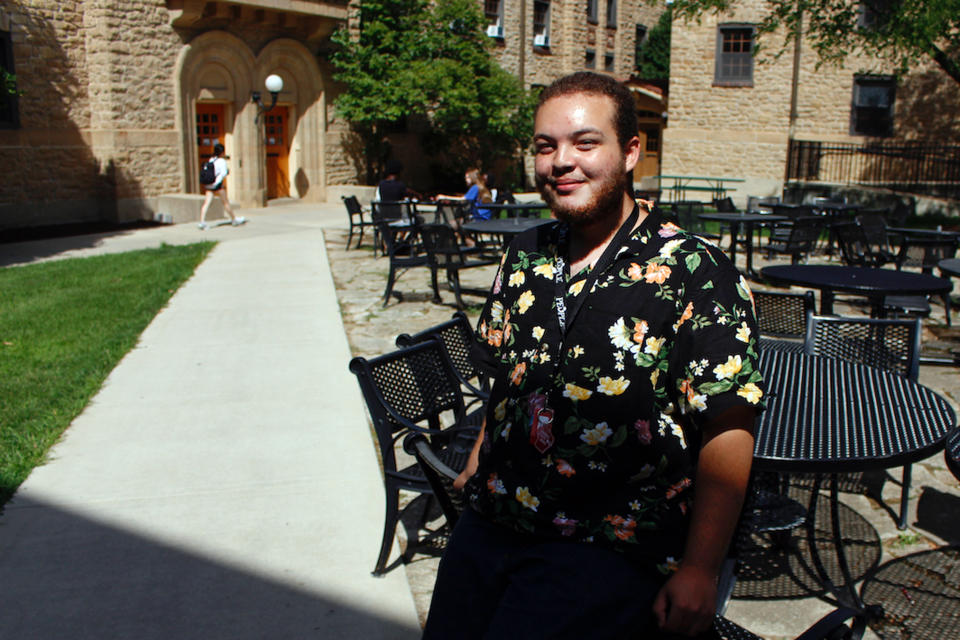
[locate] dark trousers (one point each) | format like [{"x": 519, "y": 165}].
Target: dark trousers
[{"x": 494, "y": 583}]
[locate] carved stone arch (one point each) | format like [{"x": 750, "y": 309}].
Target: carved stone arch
[
  {"x": 303, "y": 91},
  {"x": 218, "y": 54}
]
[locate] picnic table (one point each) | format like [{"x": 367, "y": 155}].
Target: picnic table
[{"x": 680, "y": 185}]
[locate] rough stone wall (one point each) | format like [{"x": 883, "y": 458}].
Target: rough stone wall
[{"x": 744, "y": 131}]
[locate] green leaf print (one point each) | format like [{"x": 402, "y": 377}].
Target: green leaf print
[
  {"x": 693, "y": 262},
  {"x": 619, "y": 436},
  {"x": 713, "y": 388}
]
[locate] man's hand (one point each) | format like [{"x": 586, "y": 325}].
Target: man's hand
[
  {"x": 465, "y": 475},
  {"x": 687, "y": 602},
  {"x": 473, "y": 461}
]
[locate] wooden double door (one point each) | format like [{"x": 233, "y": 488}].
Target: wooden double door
[{"x": 277, "y": 133}]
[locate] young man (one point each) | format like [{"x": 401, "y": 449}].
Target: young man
[
  {"x": 626, "y": 380},
  {"x": 219, "y": 188}
]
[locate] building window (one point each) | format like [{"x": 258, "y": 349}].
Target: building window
[
  {"x": 873, "y": 15},
  {"x": 590, "y": 59},
  {"x": 608, "y": 62},
  {"x": 612, "y": 13},
  {"x": 541, "y": 23},
  {"x": 493, "y": 9},
  {"x": 734, "y": 65},
  {"x": 9, "y": 116},
  {"x": 592, "y": 11},
  {"x": 872, "y": 111},
  {"x": 639, "y": 39}
]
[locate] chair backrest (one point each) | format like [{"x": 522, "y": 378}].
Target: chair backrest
[
  {"x": 686, "y": 213},
  {"x": 781, "y": 314},
  {"x": 792, "y": 211},
  {"x": 854, "y": 247},
  {"x": 441, "y": 245},
  {"x": 353, "y": 205},
  {"x": 804, "y": 234},
  {"x": 754, "y": 202},
  {"x": 926, "y": 252},
  {"x": 725, "y": 205},
  {"x": 390, "y": 211},
  {"x": 439, "y": 474},
  {"x": 893, "y": 345},
  {"x": 874, "y": 224},
  {"x": 408, "y": 390},
  {"x": 456, "y": 336}
]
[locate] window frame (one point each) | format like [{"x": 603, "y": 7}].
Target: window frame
[
  {"x": 590, "y": 58},
  {"x": 609, "y": 62},
  {"x": 640, "y": 35},
  {"x": 593, "y": 11},
  {"x": 494, "y": 20},
  {"x": 722, "y": 58},
  {"x": 863, "y": 117},
  {"x": 9, "y": 101},
  {"x": 611, "y": 14},
  {"x": 545, "y": 24}
]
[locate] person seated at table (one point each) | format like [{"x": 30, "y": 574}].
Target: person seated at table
[
  {"x": 392, "y": 188},
  {"x": 477, "y": 194}
]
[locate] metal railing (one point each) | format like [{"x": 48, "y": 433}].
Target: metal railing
[{"x": 922, "y": 168}]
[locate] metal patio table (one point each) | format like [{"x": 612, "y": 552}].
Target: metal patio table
[
  {"x": 505, "y": 228},
  {"x": 950, "y": 266},
  {"x": 747, "y": 220},
  {"x": 831, "y": 416},
  {"x": 865, "y": 281},
  {"x": 515, "y": 209}
]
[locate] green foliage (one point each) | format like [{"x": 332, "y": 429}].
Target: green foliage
[
  {"x": 414, "y": 61},
  {"x": 654, "y": 53},
  {"x": 8, "y": 83},
  {"x": 64, "y": 325},
  {"x": 899, "y": 33}
]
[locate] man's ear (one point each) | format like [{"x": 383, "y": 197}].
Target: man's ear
[{"x": 632, "y": 153}]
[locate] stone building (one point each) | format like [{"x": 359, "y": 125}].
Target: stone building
[
  {"x": 121, "y": 101},
  {"x": 731, "y": 114}
]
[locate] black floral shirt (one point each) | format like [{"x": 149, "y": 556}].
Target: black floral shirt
[{"x": 664, "y": 341}]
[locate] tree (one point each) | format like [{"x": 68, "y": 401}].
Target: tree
[
  {"x": 410, "y": 61},
  {"x": 654, "y": 52},
  {"x": 900, "y": 32}
]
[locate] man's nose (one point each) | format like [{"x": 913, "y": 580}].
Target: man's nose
[{"x": 563, "y": 158}]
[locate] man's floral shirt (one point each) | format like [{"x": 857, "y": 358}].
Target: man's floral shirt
[{"x": 665, "y": 341}]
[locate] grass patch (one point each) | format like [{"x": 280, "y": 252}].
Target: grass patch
[{"x": 64, "y": 326}]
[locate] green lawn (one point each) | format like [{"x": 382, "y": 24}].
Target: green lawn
[{"x": 64, "y": 326}]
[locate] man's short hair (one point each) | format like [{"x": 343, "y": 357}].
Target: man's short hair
[
  {"x": 218, "y": 149},
  {"x": 625, "y": 110}
]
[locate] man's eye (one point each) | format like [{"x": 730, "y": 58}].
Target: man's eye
[
  {"x": 586, "y": 144},
  {"x": 544, "y": 148}
]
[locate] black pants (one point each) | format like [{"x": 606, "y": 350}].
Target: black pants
[{"x": 496, "y": 584}]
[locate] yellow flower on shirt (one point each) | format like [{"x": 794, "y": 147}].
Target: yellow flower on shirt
[
  {"x": 517, "y": 278},
  {"x": 729, "y": 368},
  {"x": 653, "y": 345},
  {"x": 500, "y": 411},
  {"x": 576, "y": 393},
  {"x": 751, "y": 392},
  {"x": 743, "y": 333},
  {"x": 524, "y": 301},
  {"x": 597, "y": 435},
  {"x": 544, "y": 270},
  {"x": 612, "y": 387},
  {"x": 538, "y": 332},
  {"x": 527, "y": 499},
  {"x": 577, "y": 287}
]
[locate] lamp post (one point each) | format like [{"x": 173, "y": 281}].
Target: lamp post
[{"x": 274, "y": 84}]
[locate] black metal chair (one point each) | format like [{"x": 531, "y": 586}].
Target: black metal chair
[
  {"x": 456, "y": 336},
  {"x": 924, "y": 253},
  {"x": 357, "y": 221},
  {"x": 952, "y": 453},
  {"x": 725, "y": 205},
  {"x": 802, "y": 238},
  {"x": 390, "y": 213},
  {"x": 782, "y": 318},
  {"x": 412, "y": 390},
  {"x": 780, "y": 231},
  {"x": 445, "y": 253},
  {"x": 403, "y": 249},
  {"x": 856, "y": 248},
  {"x": 893, "y": 345},
  {"x": 687, "y": 214},
  {"x": 874, "y": 224}
]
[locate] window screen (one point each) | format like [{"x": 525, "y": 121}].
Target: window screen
[
  {"x": 872, "y": 111},
  {"x": 734, "y": 55}
]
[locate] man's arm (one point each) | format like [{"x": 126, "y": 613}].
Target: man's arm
[
  {"x": 472, "y": 461},
  {"x": 687, "y": 602}
]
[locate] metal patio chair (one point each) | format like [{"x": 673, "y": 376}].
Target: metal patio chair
[
  {"x": 893, "y": 345},
  {"x": 801, "y": 239},
  {"x": 782, "y": 318},
  {"x": 444, "y": 252},
  {"x": 357, "y": 214},
  {"x": 412, "y": 390}
]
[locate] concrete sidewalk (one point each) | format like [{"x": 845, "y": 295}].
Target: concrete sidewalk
[{"x": 218, "y": 485}]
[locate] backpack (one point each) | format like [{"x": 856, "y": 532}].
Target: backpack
[{"x": 208, "y": 175}]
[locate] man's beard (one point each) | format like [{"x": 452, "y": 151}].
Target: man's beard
[{"x": 607, "y": 201}]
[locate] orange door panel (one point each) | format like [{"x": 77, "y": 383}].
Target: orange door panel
[
  {"x": 277, "y": 133},
  {"x": 209, "y": 129}
]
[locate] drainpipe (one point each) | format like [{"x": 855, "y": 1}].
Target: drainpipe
[
  {"x": 523, "y": 43},
  {"x": 797, "y": 37}
]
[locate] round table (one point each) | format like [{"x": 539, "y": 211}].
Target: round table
[
  {"x": 505, "y": 228},
  {"x": 866, "y": 281},
  {"x": 747, "y": 220},
  {"x": 949, "y": 266},
  {"x": 829, "y": 416},
  {"x": 514, "y": 208}
]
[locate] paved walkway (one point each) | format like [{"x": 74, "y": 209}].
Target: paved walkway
[{"x": 214, "y": 487}]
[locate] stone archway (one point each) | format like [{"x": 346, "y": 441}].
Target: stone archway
[
  {"x": 224, "y": 61},
  {"x": 303, "y": 92}
]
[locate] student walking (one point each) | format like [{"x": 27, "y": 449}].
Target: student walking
[{"x": 215, "y": 186}]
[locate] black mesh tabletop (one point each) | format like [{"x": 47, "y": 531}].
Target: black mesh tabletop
[
  {"x": 828, "y": 415},
  {"x": 953, "y": 453},
  {"x": 865, "y": 280}
]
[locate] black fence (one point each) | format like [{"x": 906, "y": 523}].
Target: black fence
[{"x": 921, "y": 168}]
